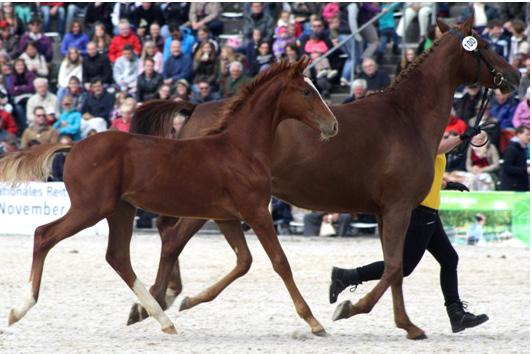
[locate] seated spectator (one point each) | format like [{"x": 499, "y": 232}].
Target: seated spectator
[
  {"x": 43, "y": 98},
  {"x": 515, "y": 172},
  {"x": 121, "y": 98},
  {"x": 9, "y": 41},
  {"x": 426, "y": 42},
  {"x": 91, "y": 125},
  {"x": 20, "y": 88},
  {"x": 75, "y": 38},
  {"x": 251, "y": 49},
  {"x": 99, "y": 102},
  {"x": 519, "y": 47},
  {"x": 53, "y": 9},
  {"x": 406, "y": 60},
  {"x": 124, "y": 120},
  {"x": 58, "y": 163},
  {"x": 387, "y": 31},
  {"x": 203, "y": 36},
  {"x": 39, "y": 130},
  {"x": 263, "y": 60},
  {"x": 75, "y": 91},
  {"x": 484, "y": 12},
  {"x": 155, "y": 36},
  {"x": 101, "y": 39},
  {"x": 150, "y": 51},
  {"x": 71, "y": 66},
  {"x": 502, "y": 111},
  {"x": 283, "y": 35},
  {"x": 205, "y": 67},
  {"x": 183, "y": 36},
  {"x": 144, "y": 15},
  {"x": 175, "y": 14},
  {"x": 206, "y": 14},
  {"x": 165, "y": 91},
  {"x": 96, "y": 65},
  {"x": 498, "y": 39},
  {"x": 227, "y": 56},
  {"x": 312, "y": 223},
  {"x": 318, "y": 37},
  {"x": 257, "y": 19},
  {"x": 467, "y": 106},
  {"x": 291, "y": 54},
  {"x": 125, "y": 70},
  {"x": 7, "y": 124},
  {"x": 482, "y": 163},
  {"x": 524, "y": 84},
  {"x": 235, "y": 81},
  {"x": 12, "y": 19},
  {"x": 99, "y": 13},
  {"x": 358, "y": 90},
  {"x": 8, "y": 144},
  {"x": 204, "y": 93},
  {"x": 522, "y": 112},
  {"x": 35, "y": 61},
  {"x": 322, "y": 74},
  {"x": 423, "y": 13},
  {"x": 177, "y": 66},
  {"x": 125, "y": 36},
  {"x": 148, "y": 82},
  {"x": 376, "y": 78},
  {"x": 282, "y": 216},
  {"x": 178, "y": 123},
  {"x": 5, "y": 100},
  {"x": 34, "y": 34},
  {"x": 69, "y": 122}
]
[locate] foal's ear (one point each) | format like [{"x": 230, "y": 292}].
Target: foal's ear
[
  {"x": 442, "y": 26},
  {"x": 467, "y": 26}
]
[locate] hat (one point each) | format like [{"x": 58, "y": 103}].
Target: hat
[{"x": 183, "y": 82}]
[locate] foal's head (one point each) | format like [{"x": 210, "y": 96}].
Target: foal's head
[{"x": 478, "y": 62}]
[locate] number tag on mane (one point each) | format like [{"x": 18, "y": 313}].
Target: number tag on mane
[{"x": 469, "y": 43}]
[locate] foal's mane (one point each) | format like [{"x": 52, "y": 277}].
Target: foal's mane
[{"x": 247, "y": 90}]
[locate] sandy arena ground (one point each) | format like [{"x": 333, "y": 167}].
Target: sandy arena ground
[{"x": 84, "y": 304}]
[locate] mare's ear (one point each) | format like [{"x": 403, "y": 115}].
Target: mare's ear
[
  {"x": 442, "y": 26},
  {"x": 467, "y": 26}
]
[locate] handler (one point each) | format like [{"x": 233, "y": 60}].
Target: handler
[{"x": 425, "y": 232}]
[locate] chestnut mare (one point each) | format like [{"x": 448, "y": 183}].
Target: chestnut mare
[
  {"x": 225, "y": 176},
  {"x": 381, "y": 162}
]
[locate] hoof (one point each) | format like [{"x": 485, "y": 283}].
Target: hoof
[
  {"x": 320, "y": 333},
  {"x": 342, "y": 311},
  {"x": 12, "y": 318},
  {"x": 184, "y": 304},
  {"x": 418, "y": 337},
  {"x": 136, "y": 314},
  {"x": 170, "y": 330}
]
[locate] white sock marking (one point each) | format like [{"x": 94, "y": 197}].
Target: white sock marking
[{"x": 150, "y": 304}]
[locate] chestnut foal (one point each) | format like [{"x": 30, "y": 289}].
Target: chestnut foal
[{"x": 225, "y": 176}]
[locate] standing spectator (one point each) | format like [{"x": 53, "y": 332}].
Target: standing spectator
[
  {"x": 205, "y": 66},
  {"x": 177, "y": 66},
  {"x": 43, "y": 98},
  {"x": 204, "y": 93},
  {"x": 124, "y": 120},
  {"x": 154, "y": 35},
  {"x": 235, "y": 81},
  {"x": 69, "y": 122},
  {"x": 101, "y": 38},
  {"x": 44, "y": 43},
  {"x": 71, "y": 66},
  {"x": 53, "y": 9},
  {"x": 257, "y": 19},
  {"x": 35, "y": 62},
  {"x": 7, "y": 124},
  {"x": 99, "y": 13},
  {"x": 387, "y": 32},
  {"x": 423, "y": 12},
  {"x": 125, "y": 36},
  {"x": 522, "y": 112},
  {"x": 377, "y": 79},
  {"x": 96, "y": 65},
  {"x": 150, "y": 51},
  {"x": 20, "y": 87},
  {"x": 144, "y": 15},
  {"x": 206, "y": 14},
  {"x": 183, "y": 36},
  {"x": 148, "y": 82},
  {"x": 175, "y": 14},
  {"x": 39, "y": 130},
  {"x": 75, "y": 91},
  {"x": 515, "y": 173},
  {"x": 519, "y": 46},
  {"x": 125, "y": 70},
  {"x": 467, "y": 106},
  {"x": 75, "y": 38},
  {"x": 9, "y": 41},
  {"x": 12, "y": 20},
  {"x": 406, "y": 60},
  {"x": 358, "y": 90},
  {"x": 498, "y": 39},
  {"x": 99, "y": 102}
]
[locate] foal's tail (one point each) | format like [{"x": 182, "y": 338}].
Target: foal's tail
[{"x": 29, "y": 165}]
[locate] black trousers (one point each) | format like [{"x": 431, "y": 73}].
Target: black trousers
[
  {"x": 312, "y": 224},
  {"x": 425, "y": 232}
]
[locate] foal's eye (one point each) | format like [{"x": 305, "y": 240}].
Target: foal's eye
[{"x": 306, "y": 92}]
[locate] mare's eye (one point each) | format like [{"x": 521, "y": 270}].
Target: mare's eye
[{"x": 306, "y": 92}]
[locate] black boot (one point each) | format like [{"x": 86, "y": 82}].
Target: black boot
[
  {"x": 341, "y": 279},
  {"x": 460, "y": 319}
]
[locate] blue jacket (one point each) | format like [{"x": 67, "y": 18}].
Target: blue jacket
[
  {"x": 177, "y": 68},
  {"x": 73, "y": 127},
  {"x": 71, "y": 40},
  {"x": 187, "y": 43},
  {"x": 504, "y": 112}
]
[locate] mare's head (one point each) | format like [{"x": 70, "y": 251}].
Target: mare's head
[
  {"x": 301, "y": 100},
  {"x": 478, "y": 62}
]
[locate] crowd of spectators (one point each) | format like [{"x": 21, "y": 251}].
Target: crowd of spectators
[{"x": 75, "y": 69}]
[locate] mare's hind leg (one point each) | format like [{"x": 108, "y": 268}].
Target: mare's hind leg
[
  {"x": 47, "y": 236},
  {"x": 393, "y": 225},
  {"x": 262, "y": 224},
  {"x": 118, "y": 256},
  {"x": 232, "y": 231}
]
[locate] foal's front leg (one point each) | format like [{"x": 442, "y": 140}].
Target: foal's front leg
[{"x": 262, "y": 224}]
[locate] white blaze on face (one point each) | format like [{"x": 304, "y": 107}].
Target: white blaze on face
[
  {"x": 309, "y": 81},
  {"x": 151, "y": 305},
  {"x": 27, "y": 303}
]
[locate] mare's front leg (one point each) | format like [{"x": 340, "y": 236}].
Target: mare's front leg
[
  {"x": 393, "y": 226},
  {"x": 234, "y": 235},
  {"x": 261, "y": 222}
]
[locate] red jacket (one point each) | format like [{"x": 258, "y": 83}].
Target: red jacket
[
  {"x": 7, "y": 122},
  {"x": 457, "y": 125},
  {"x": 118, "y": 42}
]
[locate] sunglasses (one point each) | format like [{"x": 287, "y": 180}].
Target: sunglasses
[
  {"x": 40, "y": 115},
  {"x": 203, "y": 88}
]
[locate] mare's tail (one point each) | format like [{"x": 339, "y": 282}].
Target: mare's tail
[
  {"x": 156, "y": 117},
  {"x": 31, "y": 164}
]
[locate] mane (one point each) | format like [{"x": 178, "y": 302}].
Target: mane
[
  {"x": 247, "y": 90},
  {"x": 155, "y": 117}
]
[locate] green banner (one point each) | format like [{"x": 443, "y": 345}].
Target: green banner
[{"x": 516, "y": 203}]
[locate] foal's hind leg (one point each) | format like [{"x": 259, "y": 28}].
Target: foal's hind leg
[
  {"x": 47, "y": 236},
  {"x": 118, "y": 256},
  {"x": 232, "y": 231}
]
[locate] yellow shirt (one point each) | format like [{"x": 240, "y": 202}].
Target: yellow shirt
[{"x": 432, "y": 200}]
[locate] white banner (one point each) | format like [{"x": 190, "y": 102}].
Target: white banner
[{"x": 27, "y": 206}]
